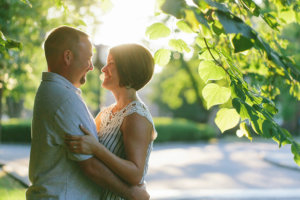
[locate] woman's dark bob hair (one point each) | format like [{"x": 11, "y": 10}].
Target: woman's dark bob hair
[{"x": 135, "y": 65}]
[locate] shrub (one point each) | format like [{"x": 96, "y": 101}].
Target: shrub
[
  {"x": 16, "y": 130},
  {"x": 177, "y": 129},
  {"x": 169, "y": 130}
]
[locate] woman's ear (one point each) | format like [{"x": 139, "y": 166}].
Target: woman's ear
[{"x": 68, "y": 57}]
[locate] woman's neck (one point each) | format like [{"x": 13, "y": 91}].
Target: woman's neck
[{"x": 123, "y": 97}]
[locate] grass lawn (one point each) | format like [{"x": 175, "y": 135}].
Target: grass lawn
[{"x": 10, "y": 189}]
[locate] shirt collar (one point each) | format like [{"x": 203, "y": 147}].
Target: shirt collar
[{"x": 50, "y": 76}]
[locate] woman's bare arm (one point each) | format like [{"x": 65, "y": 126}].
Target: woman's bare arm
[{"x": 137, "y": 134}]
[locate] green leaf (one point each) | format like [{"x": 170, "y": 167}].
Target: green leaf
[
  {"x": 226, "y": 119},
  {"x": 200, "y": 16},
  {"x": 2, "y": 39},
  {"x": 288, "y": 16},
  {"x": 27, "y": 2},
  {"x": 283, "y": 138},
  {"x": 8, "y": 43},
  {"x": 157, "y": 30},
  {"x": 182, "y": 25},
  {"x": 237, "y": 90},
  {"x": 270, "y": 20},
  {"x": 205, "y": 54},
  {"x": 220, "y": 6},
  {"x": 13, "y": 44},
  {"x": 214, "y": 94},
  {"x": 271, "y": 108},
  {"x": 245, "y": 110},
  {"x": 208, "y": 70},
  {"x": 268, "y": 129},
  {"x": 179, "y": 45},
  {"x": 191, "y": 19},
  {"x": 162, "y": 57},
  {"x": 217, "y": 28},
  {"x": 296, "y": 151},
  {"x": 252, "y": 7},
  {"x": 205, "y": 32},
  {"x": 256, "y": 124},
  {"x": 174, "y": 8},
  {"x": 244, "y": 131},
  {"x": 241, "y": 43},
  {"x": 200, "y": 42},
  {"x": 233, "y": 24}
]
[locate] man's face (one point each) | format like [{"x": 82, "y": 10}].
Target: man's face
[{"x": 82, "y": 62}]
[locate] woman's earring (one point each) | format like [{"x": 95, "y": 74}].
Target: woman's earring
[{"x": 127, "y": 86}]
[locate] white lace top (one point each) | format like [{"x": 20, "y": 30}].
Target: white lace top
[{"x": 112, "y": 138}]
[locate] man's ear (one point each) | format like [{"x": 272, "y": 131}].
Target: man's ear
[{"x": 68, "y": 57}]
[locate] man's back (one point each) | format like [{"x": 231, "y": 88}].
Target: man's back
[{"x": 54, "y": 171}]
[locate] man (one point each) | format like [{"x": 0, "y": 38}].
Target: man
[{"x": 55, "y": 172}]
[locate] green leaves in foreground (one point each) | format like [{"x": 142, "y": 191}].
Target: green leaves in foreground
[
  {"x": 6, "y": 44},
  {"x": 227, "y": 118},
  {"x": 215, "y": 94},
  {"x": 27, "y": 2},
  {"x": 296, "y": 151},
  {"x": 218, "y": 27},
  {"x": 244, "y": 131},
  {"x": 208, "y": 70},
  {"x": 179, "y": 45},
  {"x": 157, "y": 30},
  {"x": 162, "y": 57}
]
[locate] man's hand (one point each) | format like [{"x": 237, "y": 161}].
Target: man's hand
[{"x": 139, "y": 193}]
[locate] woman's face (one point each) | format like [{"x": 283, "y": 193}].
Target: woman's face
[{"x": 111, "y": 76}]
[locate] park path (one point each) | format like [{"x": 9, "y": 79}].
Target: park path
[
  {"x": 229, "y": 170},
  {"x": 224, "y": 169}
]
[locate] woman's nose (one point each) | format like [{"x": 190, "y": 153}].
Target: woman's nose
[{"x": 103, "y": 68}]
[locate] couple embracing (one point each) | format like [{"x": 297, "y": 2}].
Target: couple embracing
[{"x": 74, "y": 155}]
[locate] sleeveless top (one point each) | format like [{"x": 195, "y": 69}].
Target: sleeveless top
[{"x": 111, "y": 136}]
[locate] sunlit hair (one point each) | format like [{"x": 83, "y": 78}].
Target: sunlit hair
[
  {"x": 135, "y": 65},
  {"x": 61, "y": 39}
]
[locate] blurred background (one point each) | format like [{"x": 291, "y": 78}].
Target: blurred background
[{"x": 173, "y": 96}]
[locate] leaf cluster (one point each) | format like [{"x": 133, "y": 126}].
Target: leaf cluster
[{"x": 226, "y": 35}]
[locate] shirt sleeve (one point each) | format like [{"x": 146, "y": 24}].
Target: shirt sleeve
[{"x": 68, "y": 117}]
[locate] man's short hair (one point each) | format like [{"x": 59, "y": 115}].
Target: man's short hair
[
  {"x": 135, "y": 65},
  {"x": 60, "y": 39}
]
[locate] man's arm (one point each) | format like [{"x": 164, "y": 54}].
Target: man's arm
[
  {"x": 101, "y": 175},
  {"x": 68, "y": 117}
]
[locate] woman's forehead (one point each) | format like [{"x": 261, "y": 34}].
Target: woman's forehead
[{"x": 110, "y": 57}]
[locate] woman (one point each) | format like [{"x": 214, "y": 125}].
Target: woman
[{"x": 126, "y": 129}]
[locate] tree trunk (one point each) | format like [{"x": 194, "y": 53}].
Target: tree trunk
[{"x": 193, "y": 80}]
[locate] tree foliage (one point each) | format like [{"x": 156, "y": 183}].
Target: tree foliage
[
  {"x": 24, "y": 25},
  {"x": 177, "y": 90},
  {"x": 232, "y": 47}
]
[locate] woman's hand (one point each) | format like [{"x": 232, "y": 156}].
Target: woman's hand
[{"x": 86, "y": 144}]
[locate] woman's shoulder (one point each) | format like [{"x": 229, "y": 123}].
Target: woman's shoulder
[{"x": 138, "y": 107}]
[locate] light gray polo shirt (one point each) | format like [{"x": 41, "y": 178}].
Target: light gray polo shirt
[{"x": 53, "y": 169}]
